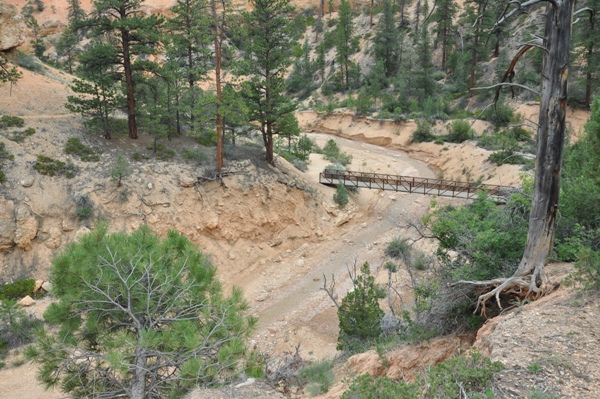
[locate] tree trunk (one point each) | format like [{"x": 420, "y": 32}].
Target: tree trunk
[
  {"x": 269, "y": 143},
  {"x": 130, "y": 86},
  {"x": 138, "y": 380},
  {"x": 191, "y": 84},
  {"x": 550, "y": 140},
  {"x": 588, "y": 76},
  {"x": 218, "y": 83}
]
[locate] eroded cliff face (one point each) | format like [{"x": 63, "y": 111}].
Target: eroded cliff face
[
  {"x": 12, "y": 27},
  {"x": 239, "y": 219}
]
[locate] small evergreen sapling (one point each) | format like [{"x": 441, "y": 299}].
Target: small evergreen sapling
[
  {"x": 340, "y": 196},
  {"x": 359, "y": 314}
]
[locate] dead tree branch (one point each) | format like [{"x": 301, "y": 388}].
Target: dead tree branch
[{"x": 329, "y": 289}]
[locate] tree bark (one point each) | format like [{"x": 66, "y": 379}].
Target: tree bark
[
  {"x": 132, "y": 125},
  {"x": 219, "y": 127},
  {"x": 138, "y": 383},
  {"x": 550, "y": 141}
]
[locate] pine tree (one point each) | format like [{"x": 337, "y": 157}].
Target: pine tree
[
  {"x": 99, "y": 93},
  {"x": 359, "y": 313},
  {"x": 76, "y": 16},
  {"x": 425, "y": 84},
  {"x": 8, "y": 74},
  {"x": 190, "y": 38},
  {"x": 68, "y": 47},
  {"x": 268, "y": 54},
  {"x": 134, "y": 35},
  {"x": 388, "y": 40},
  {"x": 139, "y": 317},
  {"x": 586, "y": 40},
  {"x": 445, "y": 11},
  {"x": 346, "y": 44}
]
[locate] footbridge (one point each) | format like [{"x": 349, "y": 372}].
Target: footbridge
[{"x": 409, "y": 184}]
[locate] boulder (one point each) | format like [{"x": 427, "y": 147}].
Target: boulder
[
  {"x": 38, "y": 286},
  {"x": 55, "y": 239},
  {"x": 27, "y": 227},
  {"x": 27, "y": 182},
  {"x": 12, "y": 27},
  {"x": 47, "y": 286},
  {"x": 187, "y": 181},
  {"x": 81, "y": 232},
  {"x": 27, "y": 301}
]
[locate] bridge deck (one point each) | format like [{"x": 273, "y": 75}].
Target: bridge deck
[{"x": 409, "y": 184}]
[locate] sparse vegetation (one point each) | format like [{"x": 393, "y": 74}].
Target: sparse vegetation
[
  {"x": 317, "y": 377},
  {"x": 8, "y": 121},
  {"x": 20, "y": 136},
  {"x": 74, "y": 146},
  {"x": 52, "y": 167},
  {"x": 468, "y": 373},
  {"x": 16, "y": 327},
  {"x": 84, "y": 207},
  {"x": 4, "y": 155}
]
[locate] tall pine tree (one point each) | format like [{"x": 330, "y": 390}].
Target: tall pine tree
[
  {"x": 346, "y": 44},
  {"x": 268, "y": 53},
  {"x": 134, "y": 35}
]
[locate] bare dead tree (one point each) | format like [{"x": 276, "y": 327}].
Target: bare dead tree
[
  {"x": 529, "y": 279},
  {"x": 329, "y": 289}
]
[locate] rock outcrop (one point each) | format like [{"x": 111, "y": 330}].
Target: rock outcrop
[{"x": 12, "y": 27}]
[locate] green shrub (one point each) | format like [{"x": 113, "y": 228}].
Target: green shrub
[
  {"x": 423, "y": 132},
  {"x": 506, "y": 157},
  {"x": 398, "y": 248},
  {"x": 52, "y": 167},
  {"x": 16, "y": 326},
  {"x": 359, "y": 313},
  {"x": 587, "y": 269},
  {"x": 501, "y": 115},
  {"x": 28, "y": 62},
  {"x": 84, "y": 207},
  {"x": 19, "y": 137},
  {"x": 8, "y": 121},
  {"x": 332, "y": 153},
  {"x": 340, "y": 196},
  {"x": 471, "y": 374},
  {"x": 331, "y": 149},
  {"x": 367, "y": 387},
  {"x": 488, "y": 239},
  {"x": 74, "y": 146},
  {"x": 317, "y": 377},
  {"x": 161, "y": 152},
  {"x": 17, "y": 290},
  {"x": 4, "y": 154},
  {"x": 459, "y": 131},
  {"x": 196, "y": 156},
  {"x": 299, "y": 164}
]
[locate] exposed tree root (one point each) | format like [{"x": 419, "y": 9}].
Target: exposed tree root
[{"x": 520, "y": 286}]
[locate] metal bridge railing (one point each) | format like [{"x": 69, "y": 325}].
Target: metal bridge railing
[{"x": 409, "y": 184}]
